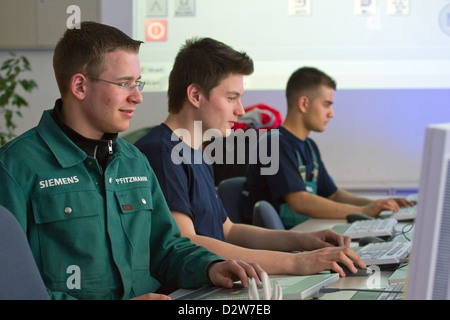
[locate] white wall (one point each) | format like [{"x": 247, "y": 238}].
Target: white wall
[{"x": 376, "y": 137}]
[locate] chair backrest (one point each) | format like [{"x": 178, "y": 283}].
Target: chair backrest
[
  {"x": 20, "y": 278},
  {"x": 135, "y": 135},
  {"x": 265, "y": 215},
  {"x": 230, "y": 192}
]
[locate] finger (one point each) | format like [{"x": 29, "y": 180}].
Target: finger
[
  {"x": 152, "y": 296},
  {"x": 350, "y": 265},
  {"x": 259, "y": 271},
  {"x": 250, "y": 272},
  {"x": 347, "y": 262},
  {"x": 355, "y": 258},
  {"x": 389, "y": 204},
  {"x": 402, "y": 202},
  {"x": 223, "y": 274},
  {"x": 347, "y": 240},
  {"x": 337, "y": 268},
  {"x": 395, "y": 205},
  {"x": 332, "y": 239},
  {"x": 235, "y": 269},
  {"x": 324, "y": 244},
  {"x": 342, "y": 241}
]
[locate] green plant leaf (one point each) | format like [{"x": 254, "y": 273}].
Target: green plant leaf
[
  {"x": 10, "y": 102},
  {"x": 19, "y": 101},
  {"x": 28, "y": 85}
]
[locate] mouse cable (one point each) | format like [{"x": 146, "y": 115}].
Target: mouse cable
[
  {"x": 332, "y": 290},
  {"x": 403, "y": 232}
]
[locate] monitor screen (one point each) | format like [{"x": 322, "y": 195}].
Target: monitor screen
[
  {"x": 429, "y": 269},
  {"x": 364, "y": 44}
]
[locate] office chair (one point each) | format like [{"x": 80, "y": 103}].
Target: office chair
[
  {"x": 20, "y": 278},
  {"x": 230, "y": 192},
  {"x": 231, "y": 147},
  {"x": 265, "y": 215},
  {"x": 134, "y": 136}
]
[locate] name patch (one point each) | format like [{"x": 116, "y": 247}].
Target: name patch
[
  {"x": 57, "y": 182},
  {"x": 131, "y": 179}
]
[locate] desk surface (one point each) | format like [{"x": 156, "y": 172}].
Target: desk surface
[
  {"x": 349, "y": 282},
  {"x": 311, "y": 225},
  {"x": 374, "y": 281}
]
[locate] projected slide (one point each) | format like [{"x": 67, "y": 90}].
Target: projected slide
[{"x": 364, "y": 44}]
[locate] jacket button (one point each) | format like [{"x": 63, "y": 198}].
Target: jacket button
[
  {"x": 110, "y": 180},
  {"x": 68, "y": 210},
  {"x": 143, "y": 201}
]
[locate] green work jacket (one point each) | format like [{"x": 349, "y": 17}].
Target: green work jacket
[{"x": 95, "y": 235}]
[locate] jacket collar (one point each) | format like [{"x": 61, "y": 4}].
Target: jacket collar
[{"x": 65, "y": 150}]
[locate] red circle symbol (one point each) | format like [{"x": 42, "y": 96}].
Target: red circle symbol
[{"x": 155, "y": 30}]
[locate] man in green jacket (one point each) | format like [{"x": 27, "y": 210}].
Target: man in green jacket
[{"x": 89, "y": 202}]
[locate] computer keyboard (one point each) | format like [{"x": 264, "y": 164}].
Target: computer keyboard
[
  {"x": 393, "y": 292},
  {"x": 383, "y": 253},
  {"x": 403, "y": 214},
  {"x": 372, "y": 227}
]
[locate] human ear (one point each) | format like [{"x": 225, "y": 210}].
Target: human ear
[
  {"x": 193, "y": 94},
  {"x": 303, "y": 103},
  {"x": 78, "y": 86}
]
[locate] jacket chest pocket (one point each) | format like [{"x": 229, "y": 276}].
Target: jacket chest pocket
[
  {"x": 136, "y": 208},
  {"x": 71, "y": 232}
]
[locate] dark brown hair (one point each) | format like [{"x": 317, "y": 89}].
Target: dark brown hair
[
  {"x": 205, "y": 62},
  {"x": 306, "y": 81},
  {"x": 83, "y": 50}
]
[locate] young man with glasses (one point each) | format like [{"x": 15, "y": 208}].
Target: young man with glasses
[{"x": 91, "y": 206}]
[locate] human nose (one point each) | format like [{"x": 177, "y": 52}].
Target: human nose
[
  {"x": 136, "y": 96},
  {"x": 240, "y": 111},
  {"x": 331, "y": 113}
]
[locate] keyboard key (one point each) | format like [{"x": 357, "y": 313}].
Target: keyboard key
[
  {"x": 385, "y": 252},
  {"x": 369, "y": 228}
]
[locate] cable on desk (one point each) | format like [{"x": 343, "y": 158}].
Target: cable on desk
[
  {"x": 403, "y": 232},
  {"x": 332, "y": 290}
]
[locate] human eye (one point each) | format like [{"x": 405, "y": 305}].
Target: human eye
[
  {"x": 327, "y": 104},
  {"x": 124, "y": 84}
]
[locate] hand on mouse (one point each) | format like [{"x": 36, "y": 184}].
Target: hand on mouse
[
  {"x": 327, "y": 258},
  {"x": 224, "y": 273}
]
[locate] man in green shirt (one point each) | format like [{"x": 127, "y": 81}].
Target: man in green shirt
[{"x": 89, "y": 202}]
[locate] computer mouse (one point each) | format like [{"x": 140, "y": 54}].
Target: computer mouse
[
  {"x": 359, "y": 273},
  {"x": 352, "y": 217},
  {"x": 366, "y": 240}
]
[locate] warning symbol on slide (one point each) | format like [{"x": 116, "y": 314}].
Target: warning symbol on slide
[{"x": 155, "y": 30}]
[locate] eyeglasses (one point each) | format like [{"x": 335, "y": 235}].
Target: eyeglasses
[{"x": 126, "y": 84}]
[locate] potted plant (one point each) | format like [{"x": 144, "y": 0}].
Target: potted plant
[{"x": 10, "y": 101}]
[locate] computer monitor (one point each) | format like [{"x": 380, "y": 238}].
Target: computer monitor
[{"x": 429, "y": 269}]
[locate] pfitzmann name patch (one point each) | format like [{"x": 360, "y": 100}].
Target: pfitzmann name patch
[{"x": 130, "y": 179}]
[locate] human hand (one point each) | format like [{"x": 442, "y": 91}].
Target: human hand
[
  {"x": 323, "y": 238},
  {"x": 224, "y": 273},
  {"x": 327, "y": 258},
  {"x": 152, "y": 296},
  {"x": 391, "y": 204}
]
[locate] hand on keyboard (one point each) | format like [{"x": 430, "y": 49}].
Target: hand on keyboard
[
  {"x": 391, "y": 204},
  {"x": 403, "y": 214}
]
